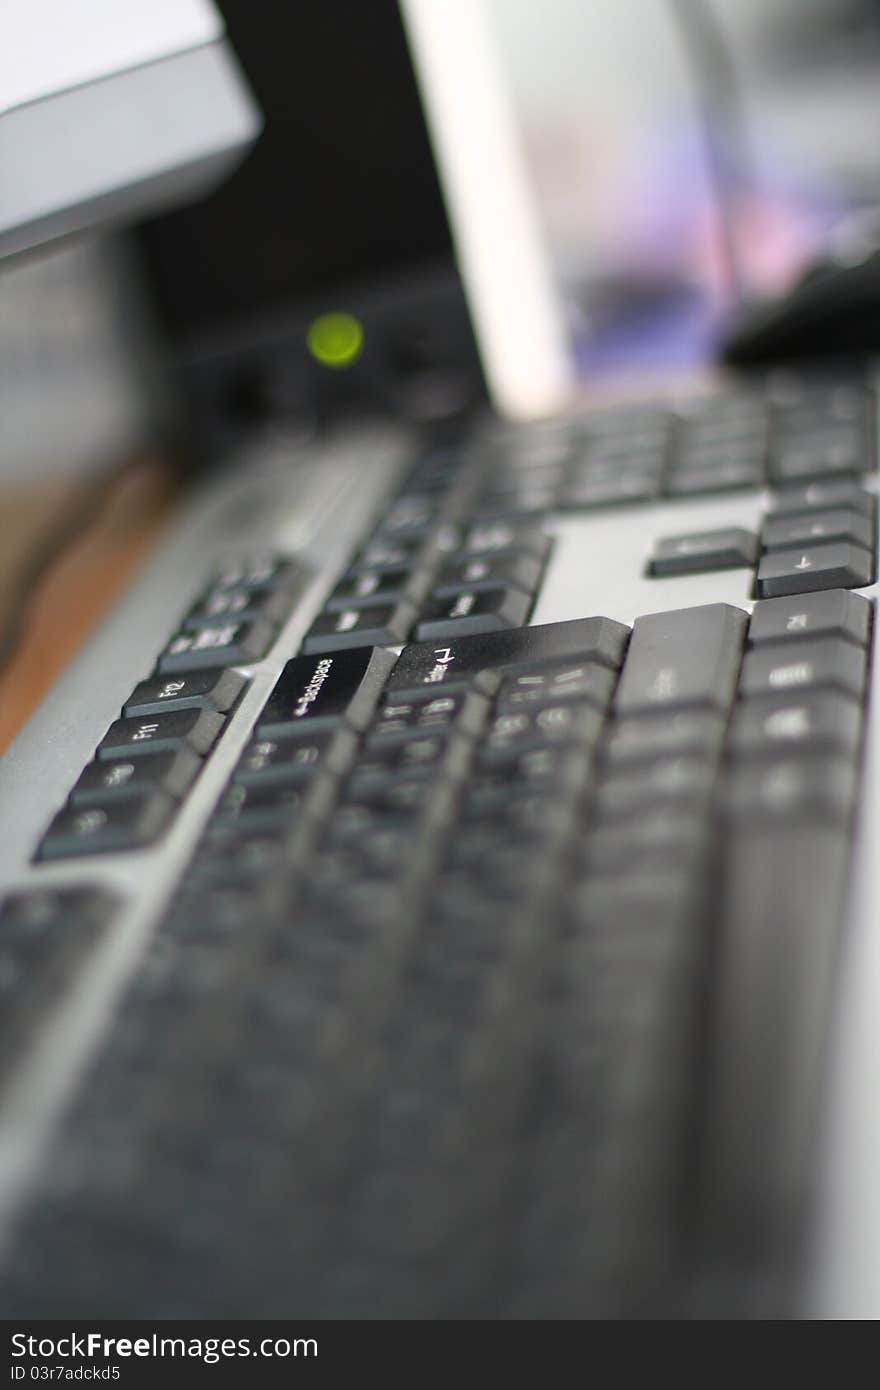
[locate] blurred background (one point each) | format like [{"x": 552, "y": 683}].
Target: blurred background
[{"x": 605, "y": 99}]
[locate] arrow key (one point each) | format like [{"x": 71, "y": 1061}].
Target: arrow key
[
  {"x": 799, "y": 571},
  {"x": 819, "y": 527},
  {"x": 704, "y": 551}
]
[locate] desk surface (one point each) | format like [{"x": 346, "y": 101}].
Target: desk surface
[{"x": 89, "y": 573}]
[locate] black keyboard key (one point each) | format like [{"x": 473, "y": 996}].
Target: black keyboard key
[
  {"x": 808, "y": 398},
  {"x": 640, "y": 455},
  {"x": 196, "y": 729},
  {"x": 257, "y": 572},
  {"x": 223, "y": 644},
  {"x": 218, "y": 912},
  {"x": 472, "y": 612},
  {"x": 699, "y": 453},
  {"x": 620, "y": 905},
  {"x": 557, "y": 682},
  {"x": 821, "y": 721},
  {"x": 690, "y": 656},
  {"x": 681, "y": 733},
  {"x": 586, "y": 493},
  {"x": 387, "y": 553},
  {"x": 378, "y": 625},
  {"x": 29, "y": 918},
  {"x": 370, "y": 587},
  {"x": 231, "y": 858},
  {"x": 171, "y": 772},
  {"x": 215, "y": 689},
  {"x": 124, "y": 824},
  {"x": 515, "y": 732},
  {"x": 447, "y": 540},
  {"x": 704, "y": 551},
  {"x": 830, "y": 613},
  {"x": 530, "y": 498},
  {"x": 776, "y": 959},
  {"x": 490, "y": 536},
  {"x": 629, "y": 421},
  {"x": 652, "y": 838},
  {"x": 45, "y": 936},
  {"x": 311, "y": 693},
  {"x": 499, "y": 495},
  {"x": 382, "y": 853},
  {"x": 410, "y": 514},
  {"x": 796, "y": 501},
  {"x": 644, "y": 456},
  {"x": 743, "y": 407},
  {"x": 454, "y": 665},
  {"x": 512, "y": 471},
  {"x": 516, "y": 570},
  {"x": 355, "y": 819},
  {"x": 821, "y": 454},
  {"x": 838, "y": 524},
  {"x": 245, "y": 605},
  {"x": 259, "y": 808},
  {"x": 610, "y": 1153},
  {"x": 464, "y": 712},
  {"x": 370, "y": 802},
  {"x": 724, "y": 436},
  {"x": 829, "y": 663},
  {"x": 487, "y": 866},
  {"x": 382, "y": 761},
  {"x": 814, "y": 567},
  {"x": 435, "y": 471},
  {"x": 719, "y": 477},
  {"x": 526, "y": 451},
  {"x": 792, "y": 790},
  {"x": 529, "y": 794},
  {"x": 267, "y": 762},
  {"x": 684, "y": 783}
]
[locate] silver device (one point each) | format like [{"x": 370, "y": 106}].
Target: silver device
[
  {"x": 794, "y": 1068},
  {"x": 124, "y": 110}
]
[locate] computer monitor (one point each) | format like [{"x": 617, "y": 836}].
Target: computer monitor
[
  {"x": 338, "y": 209},
  {"x": 111, "y": 107},
  {"x": 617, "y": 187}
]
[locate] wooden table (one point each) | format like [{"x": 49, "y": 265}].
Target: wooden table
[{"x": 117, "y": 534}]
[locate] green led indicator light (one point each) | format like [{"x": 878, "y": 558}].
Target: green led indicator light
[{"x": 335, "y": 340}]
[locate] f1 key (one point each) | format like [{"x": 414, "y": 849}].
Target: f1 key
[{"x": 196, "y": 729}]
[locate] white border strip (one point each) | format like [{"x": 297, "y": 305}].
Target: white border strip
[{"x": 501, "y": 256}]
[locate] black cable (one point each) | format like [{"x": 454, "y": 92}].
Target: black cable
[
  {"x": 722, "y": 121},
  {"x": 56, "y": 539}
]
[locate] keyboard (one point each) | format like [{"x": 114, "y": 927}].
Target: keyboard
[{"x": 402, "y": 949}]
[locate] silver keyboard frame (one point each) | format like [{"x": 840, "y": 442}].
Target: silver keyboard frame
[{"x": 317, "y": 503}]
